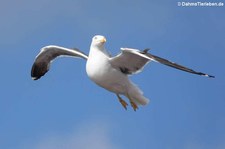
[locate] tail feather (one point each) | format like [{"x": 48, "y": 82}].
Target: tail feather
[{"x": 136, "y": 95}]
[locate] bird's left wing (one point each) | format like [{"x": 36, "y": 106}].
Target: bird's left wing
[
  {"x": 175, "y": 65},
  {"x": 131, "y": 61},
  {"x": 47, "y": 54}
]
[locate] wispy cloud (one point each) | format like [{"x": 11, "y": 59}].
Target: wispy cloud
[{"x": 87, "y": 136}]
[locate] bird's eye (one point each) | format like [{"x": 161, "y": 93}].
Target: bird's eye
[{"x": 95, "y": 38}]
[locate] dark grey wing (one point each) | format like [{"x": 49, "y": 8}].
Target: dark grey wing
[
  {"x": 47, "y": 54},
  {"x": 129, "y": 61},
  {"x": 174, "y": 65}
]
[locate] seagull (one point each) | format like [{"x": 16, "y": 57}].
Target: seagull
[{"x": 111, "y": 73}]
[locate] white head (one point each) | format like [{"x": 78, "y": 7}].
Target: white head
[{"x": 98, "y": 40}]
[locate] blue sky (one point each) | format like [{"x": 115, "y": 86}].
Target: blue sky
[{"x": 64, "y": 109}]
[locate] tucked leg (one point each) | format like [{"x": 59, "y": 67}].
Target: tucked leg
[
  {"x": 124, "y": 104},
  {"x": 133, "y": 104}
]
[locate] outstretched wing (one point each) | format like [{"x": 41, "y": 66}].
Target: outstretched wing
[
  {"x": 174, "y": 65},
  {"x": 47, "y": 55},
  {"x": 131, "y": 61}
]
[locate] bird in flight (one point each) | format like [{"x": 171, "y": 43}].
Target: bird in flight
[{"x": 111, "y": 73}]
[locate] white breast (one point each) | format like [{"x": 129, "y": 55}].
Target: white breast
[{"x": 102, "y": 73}]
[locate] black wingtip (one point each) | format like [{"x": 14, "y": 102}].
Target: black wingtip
[
  {"x": 38, "y": 71},
  {"x": 35, "y": 78},
  {"x": 210, "y": 76}
]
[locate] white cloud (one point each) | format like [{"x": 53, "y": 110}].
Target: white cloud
[{"x": 88, "y": 136}]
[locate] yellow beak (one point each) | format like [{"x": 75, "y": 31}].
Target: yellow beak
[{"x": 103, "y": 40}]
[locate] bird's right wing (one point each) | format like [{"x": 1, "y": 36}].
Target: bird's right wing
[{"x": 47, "y": 54}]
